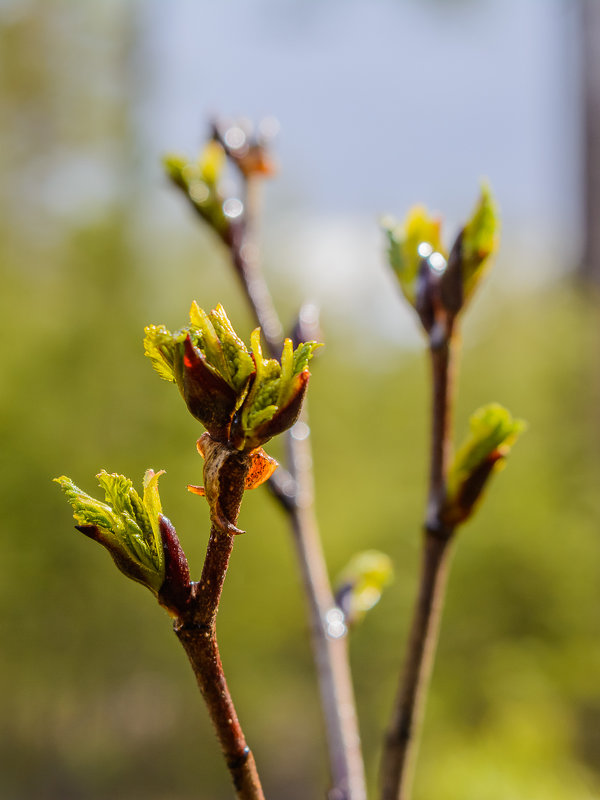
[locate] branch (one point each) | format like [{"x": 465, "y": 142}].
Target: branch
[
  {"x": 328, "y": 634},
  {"x": 403, "y": 732},
  {"x": 330, "y": 652},
  {"x": 195, "y": 627}
]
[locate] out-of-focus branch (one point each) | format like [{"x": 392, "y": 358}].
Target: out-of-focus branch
[
  {"x": 294, "y": 491},
  {"x": 195, "y": 627},
  {"x": 403, "y": 732}
]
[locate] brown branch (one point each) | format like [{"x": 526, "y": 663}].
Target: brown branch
[
  {"x": 327, "y": 633},
  {"x": 330, "y": 652},
  {"x": 403, "y": 733},
  {"x": 195, "y": 627}
]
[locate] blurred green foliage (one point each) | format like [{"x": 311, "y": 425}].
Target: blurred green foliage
[{"x": 98, "y": 700}]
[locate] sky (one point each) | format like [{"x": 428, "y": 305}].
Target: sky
[{"x": 382, "y": 105}]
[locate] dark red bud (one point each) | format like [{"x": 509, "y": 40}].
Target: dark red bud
[
  {"x": 209, "y": 398},
  {"x": 470, "y": 491},
  {"x": 425, "y": 295},
  {"x": 451, "y": 282},
  {"x": 176, "y": 591}
]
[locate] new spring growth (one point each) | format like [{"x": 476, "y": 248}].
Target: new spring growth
[
  {"x": 140, "y": 539},
  {"x": 360, "y": 585},
  {"x": 439, "y": 285},
  {"x": 201, "y": 182},
  {"x": 492, "y": 435},
  {"x": 242, "y": 398}
]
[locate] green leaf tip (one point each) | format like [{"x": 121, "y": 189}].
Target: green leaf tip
[
  {"x": 480, "y": 239},
  {"x": 361, "y": 583},
  {"x": 239, "y": 395},
  {"x": 493, "y": 431},
  {"x": 408, "y": 243},
  {"x": 225, "y": 352},
  {"x": 125, "y": 523}
]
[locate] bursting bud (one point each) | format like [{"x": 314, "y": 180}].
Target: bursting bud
[
  {"x": 200, "y": 181},
  {"x": 361, "y": 583},
  {"x": 241, "y": 398},
  {"x": 493, "y": 433},
  {"x": 140, "y": 539},
  {"x": 417, "y": 238},
  {"x": 438, "y": 285}
]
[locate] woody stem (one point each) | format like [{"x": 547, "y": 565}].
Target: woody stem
[
  {"x": 330, "y": 654},
  {"x": 400, "y": 746},
  {"x": 195, "y": 628}
]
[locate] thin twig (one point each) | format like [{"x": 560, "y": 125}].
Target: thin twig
[
  {"x": 196, "y": 629},
  {"x": 330, "y": 652},
  {"x": 403, "y": 732},
  {"x": 328, "y": 635}
]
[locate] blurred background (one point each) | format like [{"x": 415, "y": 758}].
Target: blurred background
[{"x": 382, "y": 104}]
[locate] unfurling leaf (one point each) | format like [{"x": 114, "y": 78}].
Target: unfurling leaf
[
  {"x": 480, "y": 239},
  {"x": 127, "y": 525},
  {"x": 418, "y": 237},
  {"x": 275, "y": 396},
  {"x": 493, "y": 432},
  {"x": 360, "y": 585},
  {"x": 200, "y": 181},
  {"x": 471, "y": 255}
]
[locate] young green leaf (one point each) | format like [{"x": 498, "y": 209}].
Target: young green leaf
[
  {"x": 493, "y": 433},
  {"x": 408, "y": 243},
  {"x": 127, "y": 525},
  {"x": 360, "y": 585},
  {"x": 200, "y": 181},
  {"x": 275, "y": 396},
  {"x": 163, "y": 349},
  {"x": 479, "y": 241}
]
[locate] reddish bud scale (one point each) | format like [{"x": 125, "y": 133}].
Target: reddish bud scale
[
  {"x": 209, "y": 398},
  {"x": 176, "y": 591},
  {"x": 470, "y": 492}
]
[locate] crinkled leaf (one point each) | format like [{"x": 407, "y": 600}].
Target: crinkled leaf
[
  {"x": 126, "y": 524},
  {"x": 261, "y": 402},
  {"x": 152, "y": 502},
  {"x": 275, "y": 395},
  {"x": 290, "y": 372},
  {"x": 238, "y": 360},
  {"x": 87, "y": 510},
  {"x": 404, "y": 241},
  {"x": 362, "y": 582},
  {"x": 208, "y": 341},
  {"x": 480, "y": 239},
  {"x": 163, "y": 349}
]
